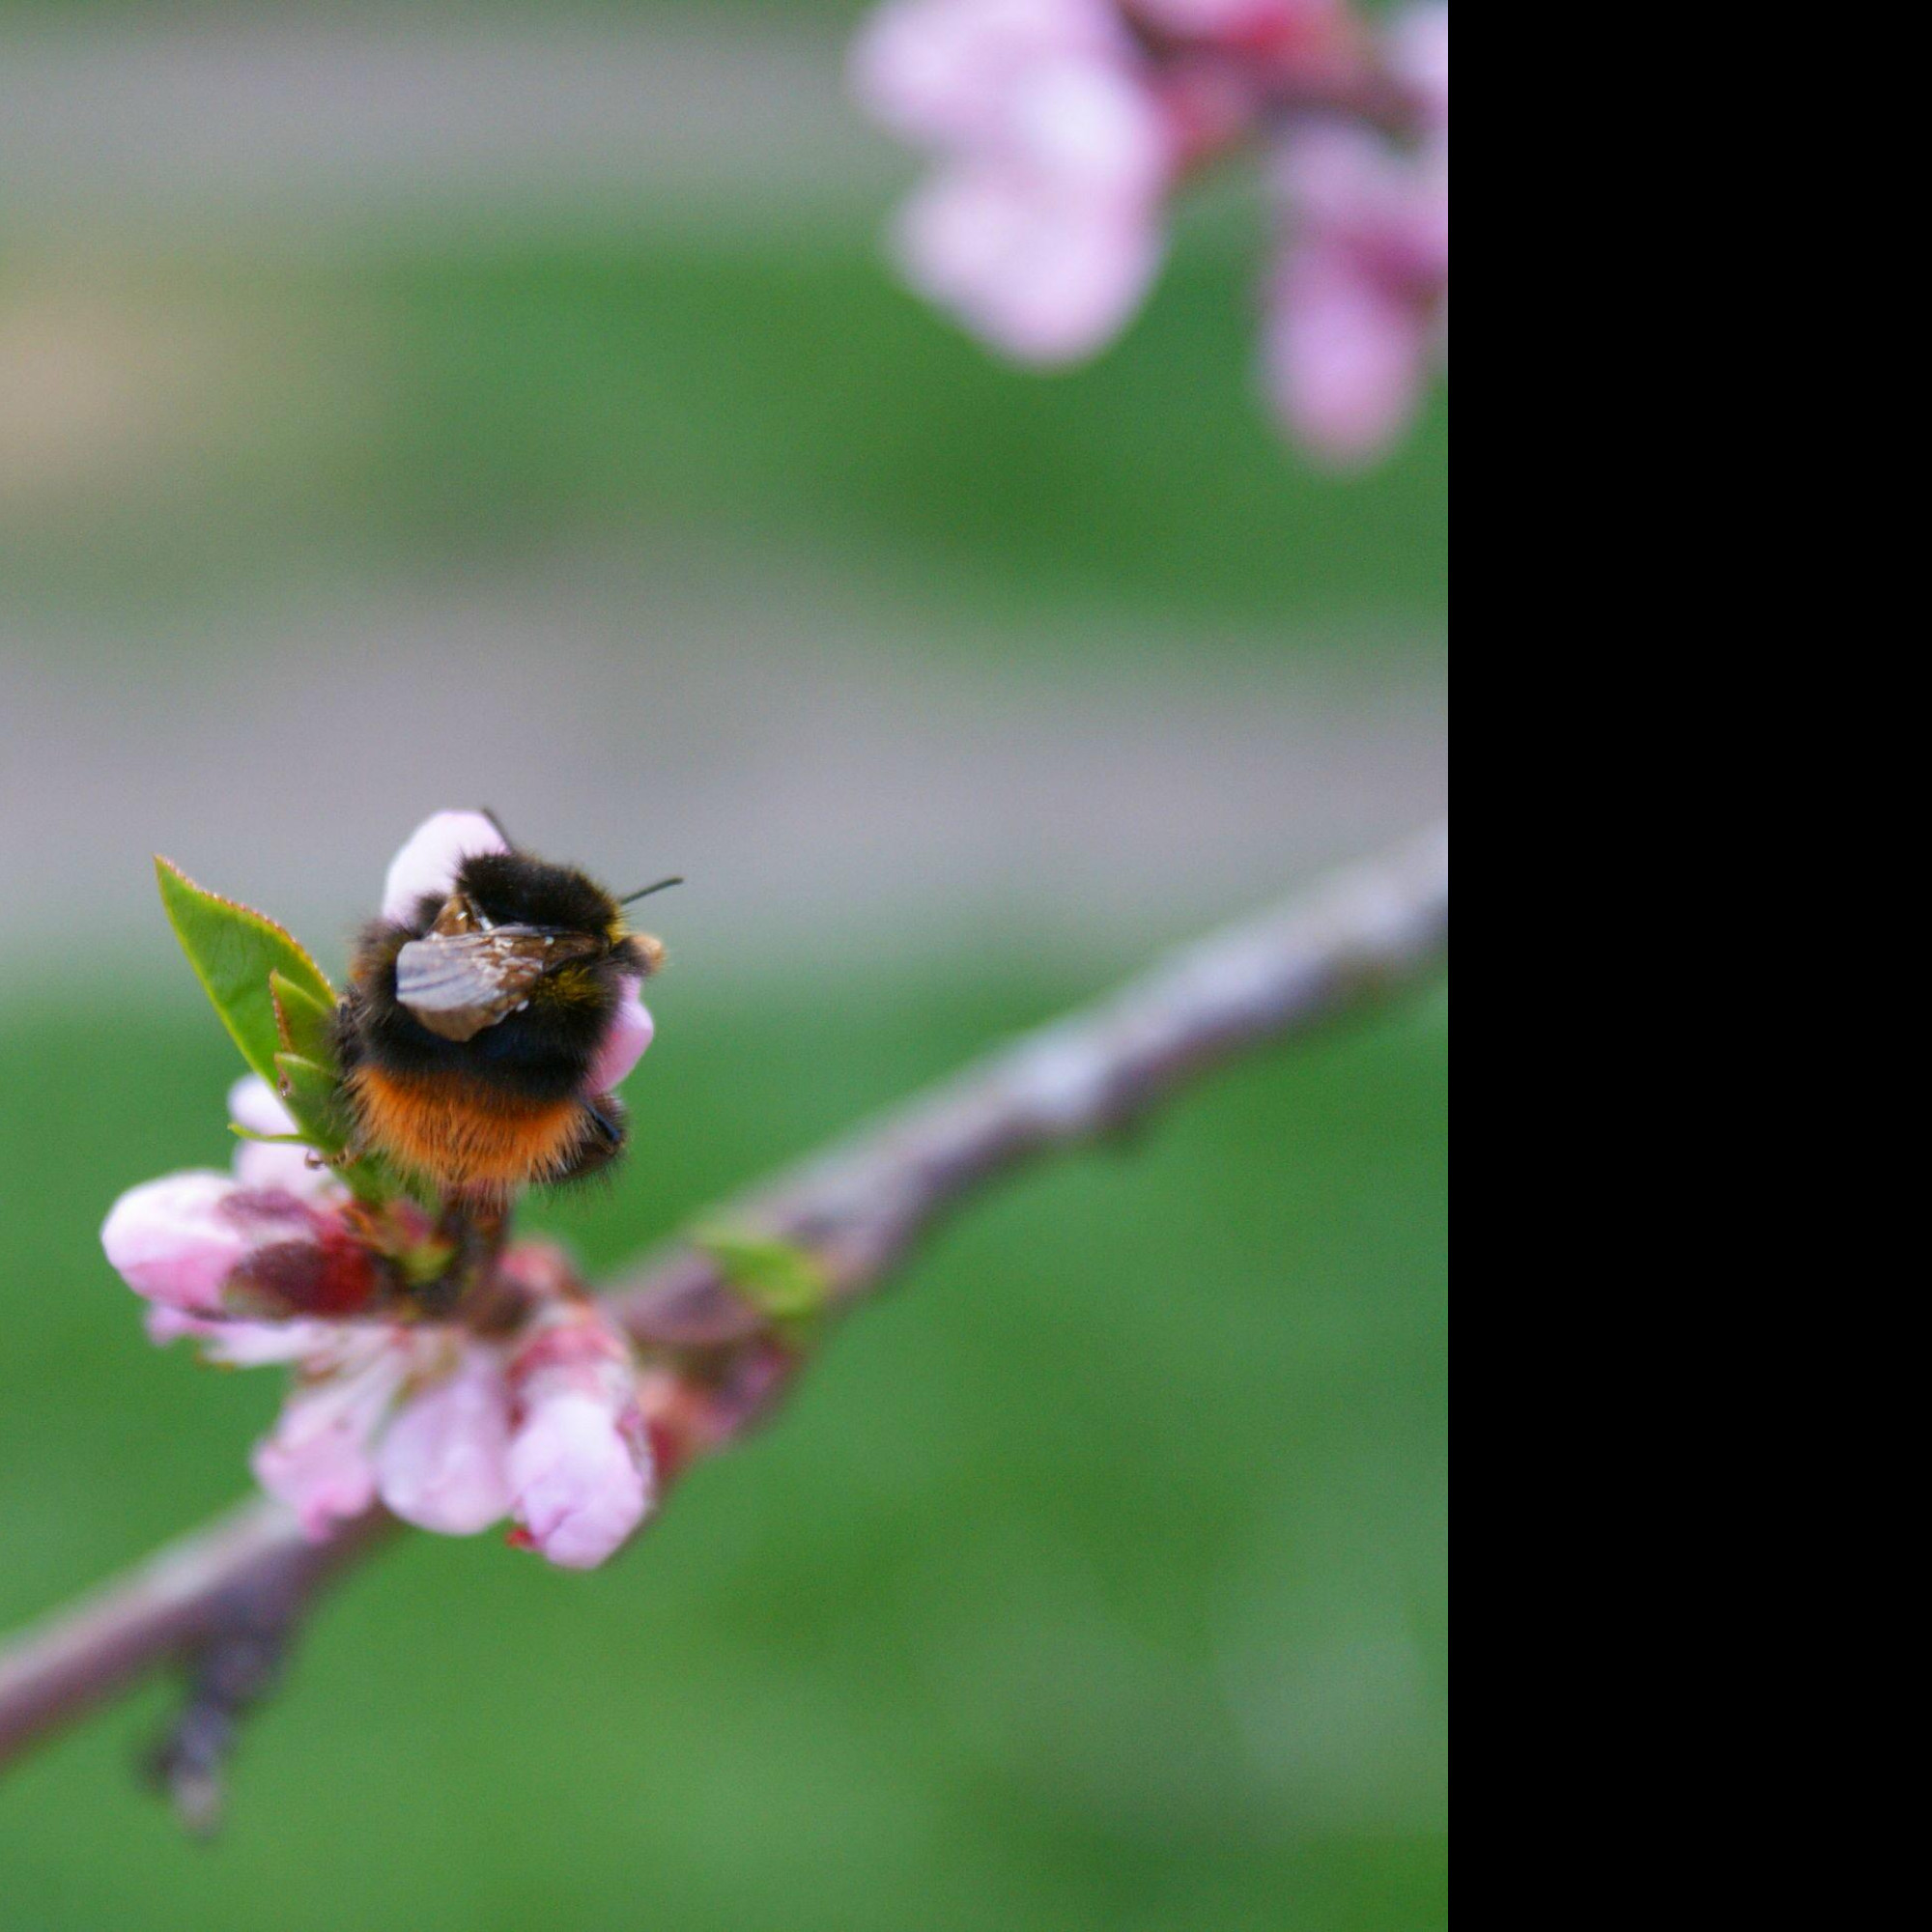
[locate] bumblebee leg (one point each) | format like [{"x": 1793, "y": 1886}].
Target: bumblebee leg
[
  {"x": 606, "y": 1129},
  {"x": 474, "y": 1226},
  {"x": 354, "y": 1150}
]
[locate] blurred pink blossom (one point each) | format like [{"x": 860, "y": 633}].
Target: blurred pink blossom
[
  {"x": 579, "y": 1467},
  {"x": 944, "y": 71},
  {"x": 1062, "y": 129},
  {"x": 1358, "y": 301},
  {"x": 192, "y": 1241},
  {"x": 205, "y": 1244},
  {"x": 1041, "y": 227}
]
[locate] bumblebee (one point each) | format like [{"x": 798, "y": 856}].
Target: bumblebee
[{"x": 471, "y": 1027}]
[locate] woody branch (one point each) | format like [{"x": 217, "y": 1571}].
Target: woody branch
[{"x": 856, "y": 1212}]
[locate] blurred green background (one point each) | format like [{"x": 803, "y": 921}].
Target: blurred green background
[{"x": 401, "y": 409}]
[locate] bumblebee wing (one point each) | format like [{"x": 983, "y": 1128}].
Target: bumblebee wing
[{"x": 458, "y": 984}]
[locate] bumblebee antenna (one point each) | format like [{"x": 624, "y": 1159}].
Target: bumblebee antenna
[{"x": 645, "y": 892}]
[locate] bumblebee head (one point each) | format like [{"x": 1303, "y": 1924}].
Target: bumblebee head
[{"x": 515, "y": 889}]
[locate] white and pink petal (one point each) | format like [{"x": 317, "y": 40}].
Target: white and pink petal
[
  {"x": 630, "y": 1033},
  {"x": 443, "y": 1463},
  {"x": 319, "y": 1458}
]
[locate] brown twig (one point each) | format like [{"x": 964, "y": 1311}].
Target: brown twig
[
  {"x": 857, "y": 1213},
  {"x": 173, "y": 1605}
]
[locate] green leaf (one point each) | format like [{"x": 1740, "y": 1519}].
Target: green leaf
[
  {"x": 312, "y": 1094},
  {"x": 781, "y": 1280},
  {"x": 234, "y": 949},
  {"x": 306, "y": 1024},
  {"x": 280, "y": 1008}
]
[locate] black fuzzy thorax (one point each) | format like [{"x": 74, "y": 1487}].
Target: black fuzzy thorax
[
  {"x": 543, "y": 1053},
  {"x": 514, "y": 889}
]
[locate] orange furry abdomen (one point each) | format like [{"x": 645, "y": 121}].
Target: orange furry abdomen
[{"x": 466, "y": 1138}]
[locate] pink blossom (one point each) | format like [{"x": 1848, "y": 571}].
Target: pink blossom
[
  {"x": 204, "y": 1244},
  {"x": 1357, "y": 304},
  {"x": 171, "y": 1241},
  {"x": 430, "y": 858},
  {"x": 581, "y": 1486},
  {"x": 631, "y": 1031},
  {"x": 580, "y": 1469},
  {"x": 442, "y": 1463},
  {"x": 179, "y": 1240},
  {"x": 319, "y": 1458},
  {"x": 1042, "y": 227},
  {"x": 1349, "y": 188}
]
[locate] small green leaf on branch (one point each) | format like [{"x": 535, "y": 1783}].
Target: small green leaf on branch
[
  {"x": 305, "y": 1023},
  {"x": 786, "y": 1283},
  {"x": 311, "y": 1093}
]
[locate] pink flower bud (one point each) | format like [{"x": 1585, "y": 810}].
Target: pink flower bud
[
  {"x": 204, "y": 1244},
  {"x": 176, "y": 1240},
  {"x": 631, "y": 1030},
  {"x": 442, "y": 1466},
  {"x": 579, "y": 1480},
  {"x": 428, "y": 862},
  {"x": 580, "y": 1469},
  {"x": 320, "y": 1457}
]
